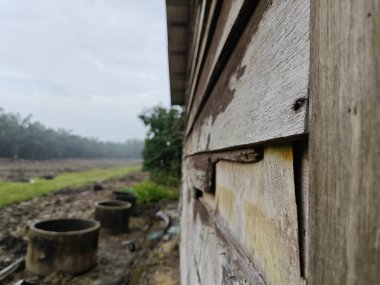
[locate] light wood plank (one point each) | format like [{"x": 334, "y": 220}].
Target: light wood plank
[
  {"x": 209, "y": 254},
  {"x": 247, "y": 229},
  {"x": 262, "y": 93},
  {"x": 256, "y": 202},
  {"x": 345, "y": 143}
]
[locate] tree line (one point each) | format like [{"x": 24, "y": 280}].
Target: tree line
[{"x": 23, "y": 138}]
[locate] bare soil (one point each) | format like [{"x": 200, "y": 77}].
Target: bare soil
[
  {"x": 135, "y": 258},
  {"x": 24, "y": 170}
]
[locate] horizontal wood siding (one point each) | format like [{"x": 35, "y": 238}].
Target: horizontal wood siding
[
  {"x": 263, "y": 90},
  {"x": 246, "y": 232},
  {"x": 215, "y": 42}
]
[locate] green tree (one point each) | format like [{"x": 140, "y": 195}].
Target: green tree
[{"x": 163, "y": 145}]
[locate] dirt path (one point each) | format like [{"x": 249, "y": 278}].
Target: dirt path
[{"x": 149, "y": 262}]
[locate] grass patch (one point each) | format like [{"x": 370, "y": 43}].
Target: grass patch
[
  {"x": 147, "y": 191},
  {"x": 11, "y": 192},
  {"x": 163, "y": 178}
]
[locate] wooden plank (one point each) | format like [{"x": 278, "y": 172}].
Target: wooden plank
[
  {"x": 345, "y": 143},
  {"x": 256, "y": 202},
  {"x": 204, "y": 33},
  {"x": 229, "y": 27},
  {"x": 216, "y": 39},
  {"x": 208, "y": 254},
  {"x": 196, "y": 36},
  {"x": 262, "y": 92},
  {"x": 248, "y": 229}
]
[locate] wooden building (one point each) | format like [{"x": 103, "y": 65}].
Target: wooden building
[{"x": 281, "y": 161}]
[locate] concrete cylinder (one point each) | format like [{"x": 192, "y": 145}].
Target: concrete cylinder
[
  {"x": 113, "y": 215},
  {"x": 127, "y": 197},
  {"x": 64, "y": 245}
]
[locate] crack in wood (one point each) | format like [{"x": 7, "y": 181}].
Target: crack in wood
[{"x": 203, "y": 174}]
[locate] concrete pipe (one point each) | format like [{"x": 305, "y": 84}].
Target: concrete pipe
[
  {"x": 113, "y": 215},
  {"x": 127, "y": 197},
  {"x": 62, "y": 245}
]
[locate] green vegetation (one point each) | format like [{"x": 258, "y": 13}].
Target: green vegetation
[
  {"x": 163, "y": 146},
  {"x": 11, "y": 192},
  {"x": 22, "y": 138},
  {"x": 148, "y": 191}
]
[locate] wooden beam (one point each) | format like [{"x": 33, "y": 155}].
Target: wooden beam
[{"x": 345, "y": 143}]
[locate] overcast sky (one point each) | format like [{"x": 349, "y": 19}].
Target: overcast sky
[{"x": 90, "y": 66}]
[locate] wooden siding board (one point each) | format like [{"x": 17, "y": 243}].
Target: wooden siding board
[
  {"x": 222, "y": 240},
  {"x": 345, "y": 143},
  {"x": 255, "y": 97},
  {"x": 228, "y": 17},
  {"x": 208, "y": 255},
  {"x": 205, "y": 34},
  {"x": 256, "y": 202}
]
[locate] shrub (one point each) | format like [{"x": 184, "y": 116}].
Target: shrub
[
  {"x": 163, "y": 146},
  {"x": 148, "y": 191}
]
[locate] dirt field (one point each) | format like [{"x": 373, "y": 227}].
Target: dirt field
[
  {"x": 24, "y": 170},
  {"x": 148, "y": 261}
]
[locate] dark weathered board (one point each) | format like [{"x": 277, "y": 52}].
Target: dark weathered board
[
  {"x": 345, "y": 143},
  {"x": 301, "y": 179},
  {"x": 262, "y": 92}
]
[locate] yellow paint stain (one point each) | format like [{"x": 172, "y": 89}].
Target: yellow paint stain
[
  {"x": 285, "y": 152},
  {"x": 271, "y": 246},
  {"x": 226, "y": 200}
]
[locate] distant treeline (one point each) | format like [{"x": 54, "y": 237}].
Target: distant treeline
[{"x": 22, "y": 138}]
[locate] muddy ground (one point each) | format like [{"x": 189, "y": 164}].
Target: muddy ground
[{"x": 137, "y": 258}]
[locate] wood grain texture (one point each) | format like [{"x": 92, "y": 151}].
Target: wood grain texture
[
  {"x": 199, "y": 23},
  {"x": 256, "y": 202},
  {"x": 345, "y": 143},
  {"x": 208, "y": 255},
  {"x": 245, "y": 233},
  {"x": 215, "y": 42},
  {"x": 262, "y": 92},
  {"x": 205, "y": 31}
]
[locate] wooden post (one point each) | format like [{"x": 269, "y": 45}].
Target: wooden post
[{"x": 345, "y": 143}]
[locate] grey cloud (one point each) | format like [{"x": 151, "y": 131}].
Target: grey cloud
[{"x": 86, "y": 65}]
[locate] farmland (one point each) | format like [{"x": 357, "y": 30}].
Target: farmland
[
  {"x": 71, "y": 193},
  {"x": 24, "y": 180}
]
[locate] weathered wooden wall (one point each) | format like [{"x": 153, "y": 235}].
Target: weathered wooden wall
[
  {"x": 261, "y": 93},
  {"x": 255, "y": 209},
  {"x": 247, "y": 86},
  {"x": 247, "y": 231}
]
